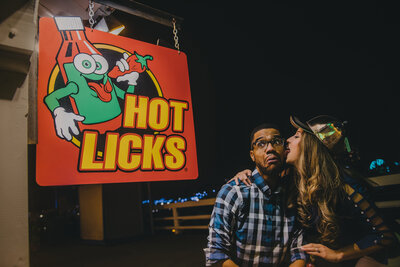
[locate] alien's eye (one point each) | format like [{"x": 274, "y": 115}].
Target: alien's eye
[
  {"x": 101, "y": 64},
  {"x": 85, "y": 63}
]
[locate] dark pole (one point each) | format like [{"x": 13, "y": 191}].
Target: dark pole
[{"x": 150, "y": 208}]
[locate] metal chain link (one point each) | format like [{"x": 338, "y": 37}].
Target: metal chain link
[
  {"x": 175, "y": 32},
  {"x": 91, "y": 14}
]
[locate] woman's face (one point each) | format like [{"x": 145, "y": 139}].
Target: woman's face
[{"x": 293, "y": 147}]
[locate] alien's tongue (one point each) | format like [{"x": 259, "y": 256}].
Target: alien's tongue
[{"x": 103, "y": 91}]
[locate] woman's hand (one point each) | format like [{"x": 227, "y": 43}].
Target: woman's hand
[
  {"x": 242, "y": 176},
  {"x": 322, "y": 252}
]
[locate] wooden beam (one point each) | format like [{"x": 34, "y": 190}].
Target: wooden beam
[
  {"x": 388, "y": 204},
  {"x": 385, "y": 180},
  {"x": 143, "y": 11},
  {"x": 187, "y": 227},
  {"x": 189, "y": 217}
]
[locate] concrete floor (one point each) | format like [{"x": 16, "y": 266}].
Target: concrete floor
[
  {"x": 161, "y": 250},
  {"x": 167, "y": 250}
]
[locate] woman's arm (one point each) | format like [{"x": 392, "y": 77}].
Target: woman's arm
[
  {"x": 378, "y": 237},
  {"x": 242, "y": 176},
  {"x": 343, "y": 254}
]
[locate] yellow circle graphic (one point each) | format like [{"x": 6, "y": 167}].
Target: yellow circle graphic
[{"x": 56, "y": 70}]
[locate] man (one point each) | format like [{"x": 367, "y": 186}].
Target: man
[{"x": 250, "y": 226}]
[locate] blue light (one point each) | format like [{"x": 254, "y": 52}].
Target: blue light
[
  {"x": 376, "y": 163},
  {"x": 196, "y": 197}
]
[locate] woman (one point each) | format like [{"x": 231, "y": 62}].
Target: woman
[{"x": 338, "y": 217}]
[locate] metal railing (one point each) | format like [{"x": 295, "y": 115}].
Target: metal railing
[
  {"x": 387, "y": 194},
  {"x": 385, "y": 202},
  {"x": 177, "y": 219}
]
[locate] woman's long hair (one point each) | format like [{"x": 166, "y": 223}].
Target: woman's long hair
[{"x": 320, "y": 188}]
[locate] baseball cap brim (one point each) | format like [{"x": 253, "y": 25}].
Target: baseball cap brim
[{"x": 298, "y": 124}]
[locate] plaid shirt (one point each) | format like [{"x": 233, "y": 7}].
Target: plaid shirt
[{"x": 248, "y": 226}]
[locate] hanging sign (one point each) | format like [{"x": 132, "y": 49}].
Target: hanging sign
[{"x": 111, "y": 109}]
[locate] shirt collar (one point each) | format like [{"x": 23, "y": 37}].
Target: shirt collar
[{"x": 259, "y": 181}]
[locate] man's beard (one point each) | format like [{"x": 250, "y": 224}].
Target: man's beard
[{"x": 276, "y": 171}]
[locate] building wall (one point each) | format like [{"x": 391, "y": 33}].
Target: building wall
[
  {"x": 17, "y": 39},
  {"x": 14, "y": 241}
]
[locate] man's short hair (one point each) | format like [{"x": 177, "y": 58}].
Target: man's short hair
[{"x": 263, "y": 126}]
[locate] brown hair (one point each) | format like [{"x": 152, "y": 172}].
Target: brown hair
[{"x": 319, "y": 188}]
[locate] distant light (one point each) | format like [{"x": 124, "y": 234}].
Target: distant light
[
  {"x": 162, "y": 201},
  {"x": 41, "y": 216},
  {"x": 102, "y": 26},
  {"x": 117, "y": 30},
  {"x": 376, "y": 163},
  {"x": 194, "y": 198},
  {"x": 173, "y": 230}
]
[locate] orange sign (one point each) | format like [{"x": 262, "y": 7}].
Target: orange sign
[{"x": 111, "y": 109}]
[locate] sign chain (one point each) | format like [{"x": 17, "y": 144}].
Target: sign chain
[
  {"x": 175, "y": 32},
  {"x": 91, "y": 14}
]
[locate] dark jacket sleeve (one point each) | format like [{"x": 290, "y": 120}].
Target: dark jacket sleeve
[{"x": 361, "y": 203}]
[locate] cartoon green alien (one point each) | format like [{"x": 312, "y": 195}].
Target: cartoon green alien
[{"x": 88, "y": 81}]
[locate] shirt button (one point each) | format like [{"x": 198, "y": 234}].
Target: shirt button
[
  {"x": 367, "y": 220},
  {"x": 362, "y": 212},
  {"x": 373, "y": 228},
  {"x": 355, "y": 205}
]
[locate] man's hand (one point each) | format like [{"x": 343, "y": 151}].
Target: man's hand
[
  {"x": 298, "y": 263},
  {"x": 65, "y": 122},
  {"x": 226, "y": 263}
]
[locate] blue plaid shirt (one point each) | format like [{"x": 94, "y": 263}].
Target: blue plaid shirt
[{"x": 248, "y": 226}]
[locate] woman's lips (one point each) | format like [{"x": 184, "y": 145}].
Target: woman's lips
[{"x": 287, "y": 149}]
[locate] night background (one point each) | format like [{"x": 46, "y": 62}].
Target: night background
[{"x": 251, "y": 63}]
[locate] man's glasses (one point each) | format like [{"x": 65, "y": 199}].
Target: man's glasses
[{"x": 263, "y": 143}]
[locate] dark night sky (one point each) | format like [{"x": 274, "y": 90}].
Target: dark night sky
[{"x": 250, "y": 64}]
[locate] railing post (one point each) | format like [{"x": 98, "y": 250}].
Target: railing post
[{"x": 176, "y": 221}]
